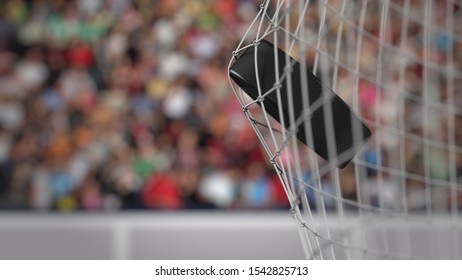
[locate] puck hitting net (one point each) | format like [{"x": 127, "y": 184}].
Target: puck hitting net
[{"x": 358, "y": 105}]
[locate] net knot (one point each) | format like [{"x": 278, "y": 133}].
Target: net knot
[
  {"x": 273, "y": 158},
  {"x": 296, "y": 201},
  {"x": 277, "y": 85},
  {"x": 288, "y": 68},
  {"x": 256, "y": 43},
  {"x": 260, "y": 99},
  {"x": 292, "y": 212},
  {"x": 273, "y": 25},
  {"x": 245, "y": 109},
  {"x": 293, "y": 130},
  {"x": 234, "y": 54}
]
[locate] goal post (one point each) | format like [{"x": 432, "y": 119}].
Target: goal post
[{"x": 358, "y": 105}]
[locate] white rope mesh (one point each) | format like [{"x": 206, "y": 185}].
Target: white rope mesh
[{"x": 397, "y": 64}]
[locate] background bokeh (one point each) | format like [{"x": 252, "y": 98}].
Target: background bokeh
[
  {"x": 108, "y": 105},
  {"x": 120, "y": 104}
]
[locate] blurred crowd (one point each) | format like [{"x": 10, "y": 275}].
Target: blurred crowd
[{"x": 125, "y": 104}]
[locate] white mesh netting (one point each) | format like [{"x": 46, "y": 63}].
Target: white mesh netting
[{"x": 398, "y": 65}]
